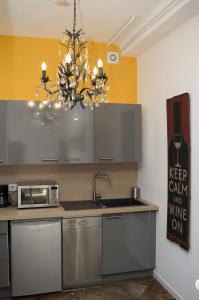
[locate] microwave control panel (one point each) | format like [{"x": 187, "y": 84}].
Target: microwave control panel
[{"x": 54, "y": 195}]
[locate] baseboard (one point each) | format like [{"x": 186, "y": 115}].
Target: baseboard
[
  {"x": 125, "y": 276},
  {"x": 167, "y": 286}
]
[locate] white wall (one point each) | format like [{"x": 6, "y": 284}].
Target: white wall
[{"x": 170, "y": 68}]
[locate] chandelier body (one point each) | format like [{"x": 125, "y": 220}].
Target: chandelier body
[{"x": 75, "y": 82}]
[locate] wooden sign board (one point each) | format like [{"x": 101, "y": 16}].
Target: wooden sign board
[{"x": 178, "y": 133}]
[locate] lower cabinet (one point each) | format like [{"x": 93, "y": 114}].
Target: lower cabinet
[
  {"x": 128, "y": 242},
  {"x": 4, "y": 255},
  {"x": 36, "y": 257},
  {"x": 92, "y": 248}
]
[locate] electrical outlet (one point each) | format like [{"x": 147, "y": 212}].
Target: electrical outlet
[{"x": 12, "y": 187}]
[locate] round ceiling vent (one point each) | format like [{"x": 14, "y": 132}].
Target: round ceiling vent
[{"x": 112, "y": 58}]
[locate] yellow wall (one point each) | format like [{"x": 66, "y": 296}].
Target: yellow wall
[{"x": 20, "y": 68}]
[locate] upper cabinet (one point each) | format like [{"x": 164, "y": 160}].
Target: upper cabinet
[
  {"x": 31, "y": 139},
  {"x": 3, "y": 146},
  {"x": 111, "y": 133},
  {"x": 118, "y": 133},
  {"x": 78, "y": 136}
]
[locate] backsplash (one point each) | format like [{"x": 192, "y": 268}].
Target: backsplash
[{"x": 76, "y": 181}]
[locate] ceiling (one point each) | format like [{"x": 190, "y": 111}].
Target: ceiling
[{"x": 100, "y": 19}]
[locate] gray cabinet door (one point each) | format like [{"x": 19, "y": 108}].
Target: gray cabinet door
[
  {"x": 117, "y": 133},
  {"x": 78, "y": 136},
  {"x": 31, "y": 140},
  {"x": 3, "y": 147},
  {"x": 128, "y": 242},
  {"x": 4, "y": 255}
]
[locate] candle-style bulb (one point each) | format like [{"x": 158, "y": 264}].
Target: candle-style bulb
[
  {"x": 68, "y": 58},
  {"x": 43, "y": 66},
  {"x": 100, "y": 63},
  {"x": 95, "y": 71}
]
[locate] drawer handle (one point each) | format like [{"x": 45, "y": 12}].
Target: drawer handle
[
  {"x": 114, "y": 217},
  {"x": 3, "y": 233},
  {"x": 49, "y": 159},
  {"x": 72, "y": 159},
  {"x": 1, "y": 161},
  {"x": 106, "y": 158}
]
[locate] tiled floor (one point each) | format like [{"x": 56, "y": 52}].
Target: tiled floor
[{"x": 134, "y": 289}]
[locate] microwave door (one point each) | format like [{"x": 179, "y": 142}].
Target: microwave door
[{"x": 35, "y": 197}]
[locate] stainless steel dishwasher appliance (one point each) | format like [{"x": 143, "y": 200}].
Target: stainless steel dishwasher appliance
[
  {"x": 82, "y": 251},
  {"x": 36, "y": 257}
]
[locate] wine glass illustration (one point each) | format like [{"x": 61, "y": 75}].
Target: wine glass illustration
[{"x": 177, "y": 145}]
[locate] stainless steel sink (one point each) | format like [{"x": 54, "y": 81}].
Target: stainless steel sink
[
  {"x": 101, "y": 203},
  {"x": 120, "y": 202}
]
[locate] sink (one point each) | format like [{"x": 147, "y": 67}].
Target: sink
[
  {"x": 102, "y": 203},
  {"x": 120, "y": 202},
  {"x": 80, "y": 205}
]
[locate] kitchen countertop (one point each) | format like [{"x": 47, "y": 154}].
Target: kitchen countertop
[{"x": 13, "y": 213}]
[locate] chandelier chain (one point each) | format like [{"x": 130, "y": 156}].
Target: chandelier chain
[{"x": 75, "y": 13}]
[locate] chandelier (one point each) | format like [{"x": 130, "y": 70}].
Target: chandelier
[{"x": 75, "y": 83}]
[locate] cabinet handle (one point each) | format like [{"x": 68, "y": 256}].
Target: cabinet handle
[
  {"x": 50, "y": 159},
  {"x": 1, "y": 161},
  {"x": 114, "y": 217},
  {"x": 106, "y": 158},
  {"x": 3, "y": 233},
  {"x": 72, "y": 159}
]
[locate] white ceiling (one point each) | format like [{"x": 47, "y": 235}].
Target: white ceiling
[{"x": 100, "y": 19}]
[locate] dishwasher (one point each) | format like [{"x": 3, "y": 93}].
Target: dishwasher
[
  {"x": 82, "y": 252},
  {"x": 36, "y": 256}
]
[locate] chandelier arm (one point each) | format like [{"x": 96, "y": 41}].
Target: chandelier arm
[
  {"x": 85, "y": 90},
  {"x": 48, "y": 90}
]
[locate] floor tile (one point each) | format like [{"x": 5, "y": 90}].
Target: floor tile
[{"x": 134, "y": 289}]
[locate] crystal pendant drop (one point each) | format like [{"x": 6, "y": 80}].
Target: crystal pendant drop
[{"x": 75, "y": 117}]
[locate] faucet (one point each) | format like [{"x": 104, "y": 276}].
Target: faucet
[{"x": 98, "y": 175}]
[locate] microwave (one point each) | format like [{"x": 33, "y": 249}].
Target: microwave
[{"x": 33, "y": 195}]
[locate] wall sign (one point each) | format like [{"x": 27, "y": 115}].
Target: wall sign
[{"x": 178, "y": 133}]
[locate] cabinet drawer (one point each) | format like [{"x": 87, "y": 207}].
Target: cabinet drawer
[
  {"x": 4, "y": 253},
  {"x": 3, "y": 227},
  {"x": 4, "y": 273},
  {"x": 3, "y": 246}
]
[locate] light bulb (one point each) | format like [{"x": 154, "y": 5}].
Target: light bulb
[
  {"x": 68, "y": 58},
  {"x": 57, "y": 105},
  {"x": 43, "y": 66},
  {"x": 95, "y": 71},
  {"x": 31, "y": 103},
  {"x": 41, "y": 106},
  {"x": 100, "y": 63}
]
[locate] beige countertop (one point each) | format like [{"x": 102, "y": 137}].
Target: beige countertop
[{"x": 13, "y": 213}]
